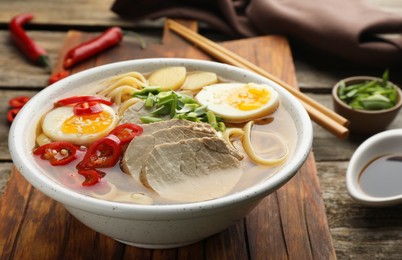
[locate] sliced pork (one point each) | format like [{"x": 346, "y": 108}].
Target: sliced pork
[
  {"x": 139, "y": 149},
  {"x": 191, "y": 170},
  {"x": 183, "y": 160}
]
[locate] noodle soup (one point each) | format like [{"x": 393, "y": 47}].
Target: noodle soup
[{"x": 235, "y": 136}]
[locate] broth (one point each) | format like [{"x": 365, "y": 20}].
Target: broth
[
  {"x": 119, "y": 186},
  {"x": 382, "y": 177}
]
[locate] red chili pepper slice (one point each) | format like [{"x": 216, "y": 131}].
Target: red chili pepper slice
[
  {"x": 87, "y": 108},
  {"x": 126, "y": 132},
  {"x": 12, "y": 113},
  {"x": 58, "y": 76},
  {"x": 57, "y": 153},
  {"x": 103, "y": 153},
  {"x": 31, "y": 49},
  {"x": 80, "y": 99},
  {"x": 109, "y": 38},
  {"x": 92, "y": 176},
  {"x": 18, "y": 102}
]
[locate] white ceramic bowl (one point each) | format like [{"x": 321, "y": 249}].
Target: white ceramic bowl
[
  {"x": 151, "y": 226},
  {"x": 387, "y": 142}
]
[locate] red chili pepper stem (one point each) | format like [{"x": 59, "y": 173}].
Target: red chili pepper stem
[
  {"x": 44, "y": 61},
  {"x": 31, "y": 49}
]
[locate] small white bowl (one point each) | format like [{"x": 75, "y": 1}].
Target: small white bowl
[
  {"x": 387, "y": 142},
  {"x": 152, "y": 226}
]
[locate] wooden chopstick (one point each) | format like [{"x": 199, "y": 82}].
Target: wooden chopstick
[{"x": 318, "y": 113}]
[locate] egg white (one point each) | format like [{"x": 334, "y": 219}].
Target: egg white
[
  {"x": 53, "y": 122},
  {"x": 215, "y": 98}
]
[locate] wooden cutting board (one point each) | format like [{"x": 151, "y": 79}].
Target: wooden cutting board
[{"x": 289, "y": 224}]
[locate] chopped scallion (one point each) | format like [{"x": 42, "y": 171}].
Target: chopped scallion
[
  {"x": 149, "y": 102},
  {"x": 369, "y": 95},
  {"x": 175, "y": 105},
  {"x": 150, "y": 119}
]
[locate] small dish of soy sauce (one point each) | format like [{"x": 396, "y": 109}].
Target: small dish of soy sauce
[{"x": 374, "y": 174}]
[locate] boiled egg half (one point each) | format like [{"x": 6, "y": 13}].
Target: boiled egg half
[
  {"x": 239, "y": 102},
  {"x": 61, "y": 124}
]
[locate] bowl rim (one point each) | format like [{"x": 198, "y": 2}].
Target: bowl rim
[
  {"x": 110, "y": 208},
  {"x": 353, "y": 171},
  {"x": 363, "y": 78}
]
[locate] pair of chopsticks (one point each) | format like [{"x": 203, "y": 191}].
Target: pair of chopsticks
[{"x": 320, "y": 114}]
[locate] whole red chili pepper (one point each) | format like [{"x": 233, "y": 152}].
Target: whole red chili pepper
[
  {"x": 109, "y": 38},
  {"x": 31, "y": 49}
]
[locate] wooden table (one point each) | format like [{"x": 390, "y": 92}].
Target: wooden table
[{"x": 358, "y": 232}]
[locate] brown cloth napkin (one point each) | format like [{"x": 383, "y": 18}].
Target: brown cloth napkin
[{"x": 351, "y": 29}]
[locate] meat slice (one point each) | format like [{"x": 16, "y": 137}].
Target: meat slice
[
  {"x": 183, "y": 160},
  {"x": 139, "y": 149},
  {"x": 178, "y": 133},
  {"x": 152, "y": 127},
  {"x": 191, "y": 169},
  {"x": 136, "y": 153},
  {"x": 203, "y": 127}
]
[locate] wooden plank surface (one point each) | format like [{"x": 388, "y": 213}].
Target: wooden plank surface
[
  {"x": 290, "y": 224},
  {"x": 353, "y": 233}
]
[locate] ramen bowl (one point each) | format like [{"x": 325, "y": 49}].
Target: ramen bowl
[{"x": 152, "y": 226}]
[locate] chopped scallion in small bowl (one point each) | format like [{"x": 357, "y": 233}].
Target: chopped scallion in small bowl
[
  {"x": 374, "y": 94},
  {"x": 370, "y": 104}
]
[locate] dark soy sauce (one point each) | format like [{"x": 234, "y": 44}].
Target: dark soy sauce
[{"x": 382, "y": 177}]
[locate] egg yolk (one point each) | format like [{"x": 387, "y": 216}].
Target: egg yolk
[
  {"x": 249, "y": 97},
  {"x": 88, "y": 124}
]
